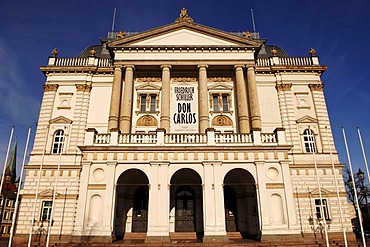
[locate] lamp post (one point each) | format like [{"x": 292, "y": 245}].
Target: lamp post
[{"x": 364, "y": 191}]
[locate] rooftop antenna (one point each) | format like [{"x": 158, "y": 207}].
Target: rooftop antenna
[
  {"x": 114, "y": 19},
  {"x": 254, "y": 24}
]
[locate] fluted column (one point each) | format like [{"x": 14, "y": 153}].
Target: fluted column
[
  {"x": 253, "y": 100},
  {"x": 165, "y": 102},
  {"x": 126, "y": 103},
  {"x": 115, "y": 99},
  {"x": 241, "y": 92},
  {"x": 203, "y": 99}
]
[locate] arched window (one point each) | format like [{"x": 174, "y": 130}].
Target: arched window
[
  {"x": 58, "y": 142},
  {"x": 309, "y": 141}
]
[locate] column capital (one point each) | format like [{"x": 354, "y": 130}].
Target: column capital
[
  {"x": 251, "y": 67},
  {"x": 129, "y": 66},
  {"x": 239, "y": 66},
  {"x": 117, "y": 66},
  {"x": 166, "y": 66},
  {"x": 202, "y": 66}
]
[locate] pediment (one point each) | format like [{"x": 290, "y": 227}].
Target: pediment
[
  {"x": 323, "y": 192},
  {"x": 220, "y": 86},
  {"x": 48, "y": 194},
  {"x": 148, "y": 86},
  {"x": 60, "y": 120},
  {"x": 307, "y": 119},
  {"x": 184, "y": 34}
]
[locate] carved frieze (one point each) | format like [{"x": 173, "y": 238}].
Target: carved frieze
[
  {"x": 283, "y": 87},
  {"x": 147, "y": 121},
  {"x": 316, "y": 87},
  {"x": 219, "y": 79},
  {"x": 83, "y": 87},
  {"x": 50, "y": 87},
  {"x": 148, "y": 79},
  {"x": 184, "y": 79},
  {"x": 222, "y": 121}
]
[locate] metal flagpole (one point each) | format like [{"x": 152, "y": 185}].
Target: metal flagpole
[
  {"x": 320, "y": 195},
  {"x": 354, "y": 188},
  {"x": 336, "y": 188},
  {"x": 55, "y": 190},
  {"x": 19, "y": 189},
  {"x": 6, "y": 160},
  {"x": 38, "y": 186},
  {"x": 363, "y": 154}
]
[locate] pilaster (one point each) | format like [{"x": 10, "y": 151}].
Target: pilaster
[
  {"x": 203, "y": 107},
  {"x": 241, "y": 92},
  {"x": 126, "y": 104},
  {"x": 115, "y": 98},
  {"x": 165, "y": 103}
]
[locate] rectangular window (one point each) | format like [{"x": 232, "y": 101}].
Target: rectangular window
[
  {"x": 8, "y": 203},
  {"x": 3, "y": 229},
  {"x": 142, "y": 102},
  {"x": 11, "y": 215},
  {"x": 324, "y": 208},
  {"x": 153, "y": 102},
  {"x": 216, "y": 106},
  {"x": 225, "y": 102},
  {"x": 5, "y": 215},
  {"x": 46, "y": 210}
]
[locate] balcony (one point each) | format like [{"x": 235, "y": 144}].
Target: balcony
[{"x": 211, "y": 138}]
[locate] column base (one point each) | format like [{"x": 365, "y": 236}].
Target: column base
[
  {"x": 157, "y": 239},
  {"x": 215, "y": 239}
]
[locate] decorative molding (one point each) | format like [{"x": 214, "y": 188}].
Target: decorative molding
[
  {"x": 184, "y": 16},
  {"x": 220, "y": 79},
  {"x": 316, "y": 87},
  {"x": 83, "y": 87},
  {"x": 184, "y": 79},
  {"x": 148, "y": 79},
  {"x": 306, "y": 119},
  {"x": 51, "y": 87},
  {"x": 148, "y": 86},
  {"x": 274, "y": 185},
  {"x": 60, "y": 120},
  {"x": 283, "y": 87},
  {"x": 147, "y": 121},
  {"x": 96, "y": 186},
  {"x": 222, "y": 121}
]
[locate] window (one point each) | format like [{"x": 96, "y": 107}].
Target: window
[
  {"x": 309, "y": 141},
  {"x": 142, "y": 102},
  {"x": 46, "y": 210},
  {"x": 58, "y": 142},
  {"x": 3, "y": 229},
  {"x": 216, "y": 106},
  {"x": 8, "y": 203},
  {"x": 5, "y": 217},
  {"x": 225, "y": 102},
  {"x": 324, "y": 209},
  {"x": 152, "y": 101},
  {"x": 11, "y": 215}
]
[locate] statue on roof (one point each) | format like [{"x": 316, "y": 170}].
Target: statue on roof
[
  {"x": 184, "y": 16},
  {"x": 121, "y": 34},
  {"x": 312, "y": 51},
  {"x": 54, "y": 52}
]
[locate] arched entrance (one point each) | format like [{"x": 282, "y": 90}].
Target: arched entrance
[
  {"x": 132, "y": 203},
  {"x": 240, "y": 201},
  {"x": 186, "y": 202}
]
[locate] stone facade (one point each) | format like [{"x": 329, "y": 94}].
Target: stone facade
[{"x": 184, "y": 128}]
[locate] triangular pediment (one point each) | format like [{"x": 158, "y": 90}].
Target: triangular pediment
[
  {"x": 307, "y": 119},
  {"x": 184, "y": 34},
  {"x": 148, "y": 86},
  {"x": 47, "y": 194},
  {"x": 60, "y": 120},
  {"x": 315, "y": 192},
  {"x": 220, "y": 86}
]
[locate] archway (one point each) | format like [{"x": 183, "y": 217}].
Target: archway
[
  {"x": 240, "y": 201},
  {"x": 131, "y": 203},
  {"x": 187, "y": 202}
]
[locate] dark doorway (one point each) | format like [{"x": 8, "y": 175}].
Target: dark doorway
[
  {"x": 132, "y": 196},
  {"x": 240, "y": 201},
  {"x": 185, "y": 210}
]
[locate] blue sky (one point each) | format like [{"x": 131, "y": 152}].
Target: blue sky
[{"x": 338, "y": 30}]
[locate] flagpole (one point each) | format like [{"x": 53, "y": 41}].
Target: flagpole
[
  {"x": 38, "y": 186},
  {"x": 363, "y": 154},
  {"x": 6, "y": 160},
  {"x": 336, "y": 188},
  {"x": 354, "y": 188},
  {"x": 313, "y": 149},
  {"x": 55, "y": 190},
  {"x": 19, "y": 189}
]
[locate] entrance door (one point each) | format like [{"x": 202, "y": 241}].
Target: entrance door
[
  {"x": 185, "y": 210},
  {"x": 140, "y": 210},
  {"x": 230, "y": 209}
]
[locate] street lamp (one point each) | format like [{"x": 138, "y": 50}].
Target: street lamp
[{"x": 364, "y": 191}]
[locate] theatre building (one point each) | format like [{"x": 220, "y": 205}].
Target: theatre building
[{"x": 183, "y": 131}]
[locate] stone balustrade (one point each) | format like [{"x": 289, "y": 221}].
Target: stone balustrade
[
  {"x": 287, "y": 61},
  {"x": 161, "y": 139},
  {"x": 80, "y": 62}
]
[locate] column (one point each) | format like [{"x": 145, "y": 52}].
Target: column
[
  {"x": 115, "y": 98},
  {"x": 165, "y": 102},
  {"x": 241, "y": 92},
  {"x": 253, "y": 99},
  {"x": 203, "y": 107},
  {"x": 159, "y": 204},
  {"x": 126, "y": 102},
  {"x": 213, "y": 203}
]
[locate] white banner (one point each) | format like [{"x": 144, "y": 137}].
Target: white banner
[{"x": 184, "y": 108}]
